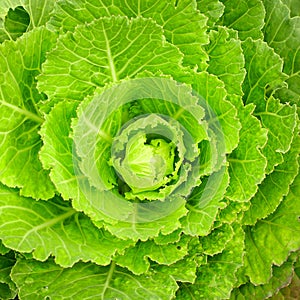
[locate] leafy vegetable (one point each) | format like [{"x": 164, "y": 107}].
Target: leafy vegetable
[{"x": 149, "y": 149}]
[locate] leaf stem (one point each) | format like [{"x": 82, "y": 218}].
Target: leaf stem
[
  {"x": 26, "y": 113},
  {"x": 109, "y": 276}
]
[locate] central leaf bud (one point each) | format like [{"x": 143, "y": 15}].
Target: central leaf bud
[
  {"x": 147, "y": 164},
  {"x": 147, "y": 156}
]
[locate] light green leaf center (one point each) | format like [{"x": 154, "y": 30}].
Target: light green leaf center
[{"x": 150, "y": 162}]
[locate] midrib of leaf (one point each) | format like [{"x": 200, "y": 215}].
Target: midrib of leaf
[
  {"x": 276, "y": 33},
  {"x": 188, "y": 290},
  {"x": 42, "y": 13},
  {"x": 239, "y": 183},
  {"x": 109, "y": 57},
  {"x": 239, "y": 18},
  {"x": 241, "y": 161},
  {"x": 7, "y": 269},
  {"x": 102, "y": 134},
  {"x": 293, "y": 74},
  {"x": 30, "y": 14},
  {"x": 47, "y": 224},
  {"x": 274, "y": 114},
  {"x": 251, "y": 240},
  {"x": 7, "y": 33},
  {"x": 281, "y": 226},
  {"x": 178, "y": 113},
  {"x": 139, "y": 7},
  {"x": 68, "y": 14},
  {"x": 26, "y": 113},
  {"x": 133, "y": 226},
  {"x": 108, "y": 279},
  {"x": 253, "y": 87},
  {"x": 150, "y": 8},
  {"x": 267, "y": 21}
]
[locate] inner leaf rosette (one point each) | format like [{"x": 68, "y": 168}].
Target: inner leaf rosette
[
  {"x": 144, "y": 140},
  {"x": 148, "y": 155}
]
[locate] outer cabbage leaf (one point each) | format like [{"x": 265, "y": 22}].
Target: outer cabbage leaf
[
  {"x": 136, "y": 258},
  {"x": 204, "y": 203},
  {"x": 53, "y": 227},
  {"x": 6, "y": 292},
  {"x": 171, "y": 15},
  {"x": 280, "y": 120},
  {"x": 3, "y": 249},
  {"x": 294, "y": 7},
  {"x": 216, "y": 241},
  {"x": 217, "y": 278},
  {"x": 225, "y": 114},
  {"x": 247, "y": 17},
  {"x": 264, "y": 72},
  {"x": 56, "y": 153},
  {"x": 185, "y": 270},
  {"x": 46, "y": 279},
  {"x": 282, "y": 33},
  {"x": 8, "y": 289},
  {"x": 246, "y": 163},
  {"x": 292, "y": 291},
  {"x": 246, "y": 167},
  {"x": 233, "y": 212},
  {"x": 92, "y": 56},
  {"x": 275, "y": 186},
  {"x": 144, "y": 231},
  {"x": 19, "y": 16},
  {"x": 226, "y": 60},
  {"x": 167, "y": 239},
  {"x": 213, "y": 9},
  {"x": 270, "y": 240},
  {"x": 20, "y": 62},
  {"x": 281, "y": 277}
]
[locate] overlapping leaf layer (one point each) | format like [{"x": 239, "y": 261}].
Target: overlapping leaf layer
[{"x": 149, "y": 149}]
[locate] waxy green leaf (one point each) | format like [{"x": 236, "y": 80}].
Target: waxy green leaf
[
  {"x": 275, "y": 186},
  {"x": 53, "y": 228},
  {"x": 20, "y": 120},
  {"x": 91, "y": 56},
  {"x": 282, "y": 32},
  {"x": 46, "y": 279},
  {"x": 264, "y": 72},
  {"x": 246, "y": 163},
  {"x": 8, "y": 289},
  {"x": 20, "y": 16},
  {"x": 247, "y": 17},
  {"x": 213, "y": 9},
  {"x": 226, "y": 60},
  {"x": 149, "y": 149},
  {"x": 270, "y": 240},
  {"x": 282, "y": 276},
  {"x": 136, "y": 258},
  {"x": 216, "y": 278},
  {"x": 169, "y": 15}
]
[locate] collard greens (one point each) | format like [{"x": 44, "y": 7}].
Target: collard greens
[{"x": 149, "y": 149}]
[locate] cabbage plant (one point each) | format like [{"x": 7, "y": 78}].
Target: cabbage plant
[{"x": 149, "y": 149}]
